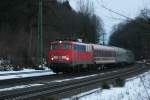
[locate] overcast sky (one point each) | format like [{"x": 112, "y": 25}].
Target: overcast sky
[{"x": 130, "y": 8}]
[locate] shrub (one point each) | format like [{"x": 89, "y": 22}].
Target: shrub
[
  {"x": 105, "y": 85},
  {"x": 119, "y": 82}
]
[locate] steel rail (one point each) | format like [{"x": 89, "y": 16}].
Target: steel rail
[{"x": 66, "y": 86}]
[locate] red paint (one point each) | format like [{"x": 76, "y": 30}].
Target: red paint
[{"x": 75, "y": 56}]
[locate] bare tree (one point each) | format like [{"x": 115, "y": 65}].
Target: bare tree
[{"x": 86, "y": 7}]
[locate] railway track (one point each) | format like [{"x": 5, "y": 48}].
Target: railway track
[
  {"x": 21, "y": 80},
  {"x": 54, "y": 87}
]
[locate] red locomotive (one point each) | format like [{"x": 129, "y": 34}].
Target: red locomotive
[{"x": 68, "y": 56}]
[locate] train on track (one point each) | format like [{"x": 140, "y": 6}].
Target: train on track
[{"x": 71, "y": 56}]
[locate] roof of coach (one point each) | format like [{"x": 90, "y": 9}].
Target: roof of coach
[
  {"x": 80, "y": 43},
  {"x": 121, "y": 49},
  {"x": 99, "y": 47},
  {"x": 95, "y": 46}
]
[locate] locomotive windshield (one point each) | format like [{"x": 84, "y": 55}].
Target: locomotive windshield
[
  {"x": 56, "y": 46},
  {"x": 67, "y": 46}
]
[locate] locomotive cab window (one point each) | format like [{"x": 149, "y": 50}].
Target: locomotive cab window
[
  {"x": 67, "y": 46},
  {"x": 54, "y": 46}
]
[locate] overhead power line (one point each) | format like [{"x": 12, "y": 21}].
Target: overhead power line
[
  {"x": 128, "y": 18},
  {"x": 144, "y": 25}
]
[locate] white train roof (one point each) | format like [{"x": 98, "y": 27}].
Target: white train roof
[
  {"x": 95, "y": 46},
  {"x": 100, "y": 47}
]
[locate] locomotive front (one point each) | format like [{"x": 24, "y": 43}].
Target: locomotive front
[
  {"x": 60, "y": 55},
  {"x": 68, "y": 56}
]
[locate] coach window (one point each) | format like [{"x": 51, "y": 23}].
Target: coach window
[
  {"x": 106, "y": 53},
  {"x": 95, "y": 53},
  {"x": 98, "y": 53},
  {"x": 102, "y": 53}
]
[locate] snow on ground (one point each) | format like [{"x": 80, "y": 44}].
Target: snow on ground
[
  {"x": 25, "y": 75},
  {"x": 24, "y": 70},
  {"x": 136, "y": 88},
  {"x": 20, "y": 87},
  {"x": 20, "y": 74}
]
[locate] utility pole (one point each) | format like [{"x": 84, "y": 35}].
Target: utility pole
[
  {"x": 40, "y": 33},
  {"x": 103, "y": 38}
]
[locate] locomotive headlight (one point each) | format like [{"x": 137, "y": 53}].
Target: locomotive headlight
[
  {"x": 52, "y": 58},
  {"x": 67, "y": 58}
]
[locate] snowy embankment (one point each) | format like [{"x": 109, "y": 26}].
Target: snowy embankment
[
  {"x": 136, "y": 88},
  {"x": 24, "y": 73}
]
